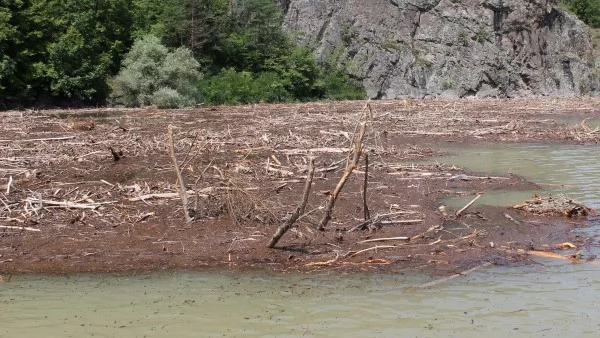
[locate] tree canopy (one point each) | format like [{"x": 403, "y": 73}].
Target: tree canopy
[{"x": 65, "y": 52}]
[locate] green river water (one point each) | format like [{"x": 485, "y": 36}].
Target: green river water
[{"x": 548, "y": 299}]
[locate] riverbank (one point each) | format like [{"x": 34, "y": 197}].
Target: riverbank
[{"x": 70, "y": 204}]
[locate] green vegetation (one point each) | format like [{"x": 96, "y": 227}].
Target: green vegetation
[
  {"x": 152, "y": 75},
  {"x": 463, "y": 38},
  {"x": 70, "y": 52},
  {"x": 447, "y": 84},
  {"x": 481, "y": 36},
  {"x": 586, "y": 10},
  {"x": 348, "y": 33}
]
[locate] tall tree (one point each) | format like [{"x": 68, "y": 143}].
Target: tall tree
[{"x": 88, "y": 41}]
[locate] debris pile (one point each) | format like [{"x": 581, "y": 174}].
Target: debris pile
[{"x": 551, "y": 206}]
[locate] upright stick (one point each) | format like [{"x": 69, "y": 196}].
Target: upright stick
[
  {"x": 300, "y": 210},
  {"x": 365, "y": 182},
  {"x": 182, "y": 189}
]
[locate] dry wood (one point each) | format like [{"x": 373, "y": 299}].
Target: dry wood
[
  {"x": 352, "y": 254},
  {"x": 314, "y": 150},
  {"x": 10, "y": 180},
  {"x": 367, "y": 214},
  {"x": 378, "y": 219},
  {"x": 459, "y": 212},
  {"x": 68, "y": 204},
  {"x": 43, "y": 139},
  {"x": 19, "y": 228},
  {"x": 326, "y": 263},
  {"x": 182, "y": 189},
  {"x": 401, "y": 238},
  {"x": 299, "y": 211},
  {"x": 445, "y": 279},
  {"x": 349, "y": 168}
]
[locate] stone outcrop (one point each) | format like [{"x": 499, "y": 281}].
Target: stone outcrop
[{"x": 450, "y": 48}]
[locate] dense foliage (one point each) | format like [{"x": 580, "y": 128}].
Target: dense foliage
[
  {"x": 69, "y": 51},
  {"x": 153, "y": 75},
  {"x": 586, "y": 10}
]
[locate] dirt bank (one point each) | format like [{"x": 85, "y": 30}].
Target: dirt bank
[{"x": 245, "y": 169}]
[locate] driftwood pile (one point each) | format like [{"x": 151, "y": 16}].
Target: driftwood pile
[{"x": 552, "y": 206}]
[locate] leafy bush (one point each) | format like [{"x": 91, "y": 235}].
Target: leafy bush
[
  {"x": 338, "y": 85},
  {"x": 586, "y": 10},
  {"x": 150, "y": 74},
  {"x": 169, "y": 98},
  {"x": 232, "y": 87}
]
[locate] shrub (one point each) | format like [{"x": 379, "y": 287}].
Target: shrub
[
  {"x": 232, "y": 87},
  {"x": 169, "y": 98},
  {"x": 151, "y": 74}
]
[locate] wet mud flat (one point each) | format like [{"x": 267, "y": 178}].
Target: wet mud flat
[{"x": 95, "y": 190}]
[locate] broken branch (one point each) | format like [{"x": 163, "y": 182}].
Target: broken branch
[
  {"x": 349, "y": 169},
  {"x": 459, "y": 212},
  {"x": 182, "y": 189},
  {"x": 300, "y": 210}
]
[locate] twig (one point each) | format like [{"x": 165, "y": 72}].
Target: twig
[
  {"x": 18, "y": 228},
  {"x": 326, "y": 263},
  {"x": 70, "y": 205},
  {"x": 10, "y": 180},
  {"x": 42, "y": 139},
  {"x": 365, "y": 182},
  {"x": 372, "y": 248},
  {"x": 384, "y": 239},
  {"x": 349, "y": 169},
  {"x": 445, "y": 279},
  {"x": 300, "y": 210},
  {"x": 182, "y": 190},
  {"x": 378, "y": 219},
  {"x": 459, "y": 212}
]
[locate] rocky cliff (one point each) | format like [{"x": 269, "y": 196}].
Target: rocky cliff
[{"x": 450, "y": 48}]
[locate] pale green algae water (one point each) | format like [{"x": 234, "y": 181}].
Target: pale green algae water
[
  {"x": 549, "y": 299},
  {"x": 541, "y": 301},
  {"x": 570, "y": 171}
]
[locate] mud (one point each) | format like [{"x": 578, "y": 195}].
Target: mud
[{"x": 68, "y": 206}]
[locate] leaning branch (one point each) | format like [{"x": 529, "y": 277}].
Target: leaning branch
[
  {"x": 349, "y": 169},
  {"x": 299, "y": 211},
  {"x": 182, "y": 189},
  {"x": 459, "y": 212}
]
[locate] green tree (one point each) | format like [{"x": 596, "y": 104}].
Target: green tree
[
  {"x": 89, "y": 38},
  {"x": 151, "y": 74},
  {"x": 20, "y": 47},
  {"x": 165, "y": 19},
  {"x": 586, "y": 10}
]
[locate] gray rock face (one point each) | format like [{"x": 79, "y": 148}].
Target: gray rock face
[{"x": 450, "y": 48}]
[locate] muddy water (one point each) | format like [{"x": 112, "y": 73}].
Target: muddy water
[
  {"x": 570, "y": 171},
  {"x": 549, "y": 299},
  {"x": 545, "y": 300}
]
